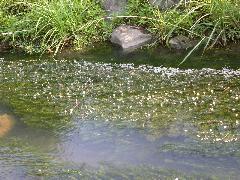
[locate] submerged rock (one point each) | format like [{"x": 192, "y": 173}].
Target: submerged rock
[
  {"x": 114, "y": 6},
  {"x": 181, "y": 42},
  {"x": 6, "y": 124},
  {"x": 130, "y": 37}
]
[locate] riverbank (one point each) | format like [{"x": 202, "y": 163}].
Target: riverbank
[{"x": 49, "y": 26}]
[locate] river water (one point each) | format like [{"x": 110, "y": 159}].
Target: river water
[{"x": 104, "y": 114}]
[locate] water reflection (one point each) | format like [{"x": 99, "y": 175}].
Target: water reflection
[{"x": 97, "y": 143}]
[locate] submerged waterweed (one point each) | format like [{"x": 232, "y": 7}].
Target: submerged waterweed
[
  {"x": 138, "y": 96},
  {"x": 77, "y": 113}
]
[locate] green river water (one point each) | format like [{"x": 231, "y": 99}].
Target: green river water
[{"x": 103, "y": 114}]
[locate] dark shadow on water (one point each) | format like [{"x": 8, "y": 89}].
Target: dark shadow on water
[
  {"x": 5, "y": 109},
  {"x": 160, "y": 56},
  {"x": 157, "y": 56}
]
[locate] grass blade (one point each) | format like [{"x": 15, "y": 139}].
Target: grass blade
[{"x": 195, "y": 47}]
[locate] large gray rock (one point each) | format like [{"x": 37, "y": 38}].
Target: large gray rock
[
  {"x": 181, "y": 42},
  {"x": 114, "y": 6},
  {"x": 130, "y": 37},
  {"x": 164, "y": 4}
]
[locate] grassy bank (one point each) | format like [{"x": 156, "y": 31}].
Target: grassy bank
[{"x": 48, "y": 26}]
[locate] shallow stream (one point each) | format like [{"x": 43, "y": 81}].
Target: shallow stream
[{"x": 104, "y": 114}]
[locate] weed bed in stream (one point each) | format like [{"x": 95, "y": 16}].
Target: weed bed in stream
[{"x": 78, "y": 118}]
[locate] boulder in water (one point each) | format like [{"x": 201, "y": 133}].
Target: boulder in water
[{"x": 130, "y": 37}]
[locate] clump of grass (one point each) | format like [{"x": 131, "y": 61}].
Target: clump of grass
[
  {"x": 13, "y": 27},
  {"x": 53, "y": 24},
  {"x": 58, "y": 23},
  {"x": 216, "y": 20}
]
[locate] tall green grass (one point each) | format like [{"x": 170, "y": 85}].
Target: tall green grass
[
  {"x": 49, "y": 25},
  {"x": 62, "y": 22},
  {"x": 216, "y": 20}
]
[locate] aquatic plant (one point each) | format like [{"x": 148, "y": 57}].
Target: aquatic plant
[
  {"x": 117, "y": 100},
  {"x": 47, "y": 94}
]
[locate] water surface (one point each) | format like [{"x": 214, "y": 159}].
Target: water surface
[{"x": 103, "y": 114}]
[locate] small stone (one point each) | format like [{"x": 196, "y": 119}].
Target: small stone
[{"x": 180, "y": 42}]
